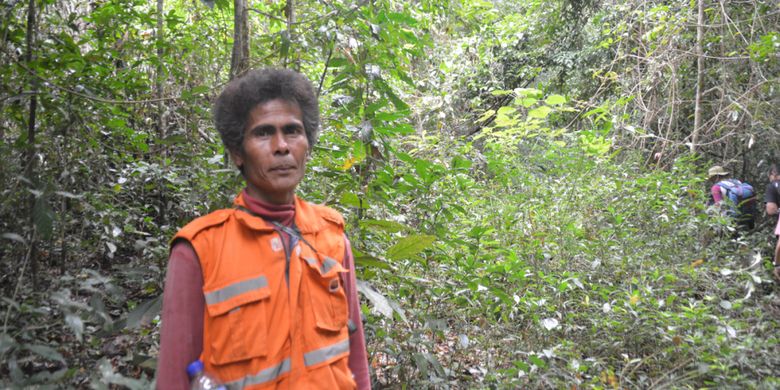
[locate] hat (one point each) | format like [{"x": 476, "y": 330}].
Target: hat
[{"x": 717, "y": 170}]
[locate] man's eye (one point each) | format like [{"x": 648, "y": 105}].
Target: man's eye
[
  {"x": 293, "y": 130},
  {"x": 262, "y": 132}
]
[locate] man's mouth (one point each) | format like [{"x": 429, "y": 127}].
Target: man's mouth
[{"x": 283, "y": 168}]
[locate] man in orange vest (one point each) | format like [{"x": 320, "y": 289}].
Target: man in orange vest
[{"x": 264, "y": 293}]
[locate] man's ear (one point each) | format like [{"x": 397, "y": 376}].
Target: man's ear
[{"x": 237, "y": 157}]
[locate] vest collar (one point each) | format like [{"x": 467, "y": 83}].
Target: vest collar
[
  {"x": 306, "y": 218},
  {"x": 247, "y": 218}
]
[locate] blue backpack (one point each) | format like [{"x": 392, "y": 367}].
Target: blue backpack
[{"x": 743, "y": 198}]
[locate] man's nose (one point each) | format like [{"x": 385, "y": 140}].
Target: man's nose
[{"x": 279, "y": 143}]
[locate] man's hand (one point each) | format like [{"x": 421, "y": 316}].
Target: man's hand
[{"x": 771, "y": 208}]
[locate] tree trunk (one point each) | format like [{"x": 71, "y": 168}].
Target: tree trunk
[
  {"x": 239, "y": 61},
  {"x": 29, "y": 171},
  {"x": 161, "y": 131},
  {"x": 160, "y": 70},
  {"x": 289, "y": 11},
  {"x": 699, "y": 77}
]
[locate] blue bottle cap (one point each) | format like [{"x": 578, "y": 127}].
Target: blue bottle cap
[{"x": 194, "y": 368}]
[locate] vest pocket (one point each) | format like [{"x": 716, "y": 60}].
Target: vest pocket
[
  {"x": 327, "y": 296},
  {"x": 238, "y": 326}
]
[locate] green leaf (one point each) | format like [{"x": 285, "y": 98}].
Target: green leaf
[
  {"x": 14, "y": 237},
  {"x": 555, "y": 99},
  {"x": 284, "y": 37},
  {"x": 391, "y": 116},
  {"x": 359, "y": 150},
  {"x": 537, "y": 362},
  {"x": 540, "y": 112},
  {"x": 404, "y": 77},
  {"x": 500, "y": 92},
  {"x": 11, "y": 303},
  {"x": 6, "y": 343},
  {"x": 144, "y": 313},
  {"x": 376, "y": 106},
  {"x": 69, "y": 195},
  {"x": 199, "y": 89},
  {"x": 337, "y": 62},
  {"x": 521, "y": 365},
  {"x": 173, "y": 139},
  {"x": 528, "y": 102},
  {"x": 486, "y": 115},
  {"x": 381, "y": 304},
  {"x": 421, "y": 363},
  {"x": 43, "y": 217},
  {"x": 45, "y": 351},
  {"x": 75, "y": 324},
  {"x": 117, "y": 123},
  {"x": 532, "y": 92},
  {"x": 403, "y": 129},
  {"x": 350, "y": 199},
  {"x": 401, "y": 18},
  {"x": 435, "y": 363},
  {"x": 371, "y": 261},
  {"x": 410, "y": 246},
  {"x": 387, "y": 91},
  {"x": 108, "y": 376},
  {"x": 505, "y": 121},
  {"x": 461, "y": 163},
  {"x": 423, "y": 168},
  {"x": 388, "y": 226}
]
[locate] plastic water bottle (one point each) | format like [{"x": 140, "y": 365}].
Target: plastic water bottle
[{"x": 200, "y": 379}]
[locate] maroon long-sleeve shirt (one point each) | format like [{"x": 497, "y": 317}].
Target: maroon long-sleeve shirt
[{"x": 181, "y": 337}]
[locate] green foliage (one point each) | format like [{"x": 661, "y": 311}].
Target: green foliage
[
  {"x": 514, "y": 175},
  {"x": 765, "y": 47}
]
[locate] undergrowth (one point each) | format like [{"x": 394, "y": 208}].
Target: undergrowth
[{"x": 577, "y": 271}]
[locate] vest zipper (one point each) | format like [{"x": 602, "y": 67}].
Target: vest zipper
[
  {"x": 293, "y": 233},
  {"x": 295, "y": 236},
  {"x": 286, "y": 258}
]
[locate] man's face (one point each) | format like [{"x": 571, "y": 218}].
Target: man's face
[
  {"x": 774, "y": 176},
  {"x": 274, "y": 151}
]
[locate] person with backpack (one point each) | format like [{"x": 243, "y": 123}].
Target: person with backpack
[
  {"x": 772, "y": 200},
  {"x": 736, "y": 198}
]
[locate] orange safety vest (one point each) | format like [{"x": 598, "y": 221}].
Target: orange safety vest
[{"x": 273, "y": 318}]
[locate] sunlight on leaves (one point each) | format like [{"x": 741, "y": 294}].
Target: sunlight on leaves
[
  {"x": 540, "y": 112},
  {"x": 555, "y": 100},
  {"x": 550, "y": 323}
]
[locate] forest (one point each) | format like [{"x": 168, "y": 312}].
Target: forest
[{"x": 524, "y": 182}]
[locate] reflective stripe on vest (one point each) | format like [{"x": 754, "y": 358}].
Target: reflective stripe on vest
[
  {"x": 267, "y": 375},
  {"x": 255, "y": 334},
  {"x": 323, "y": 354},
  {"x": 310, "y": 359},
  {"x": 235, "y": 289}
]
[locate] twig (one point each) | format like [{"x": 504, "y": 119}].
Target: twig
[
  {"x": 21, "y": 276},
  {"x": 327, "y": 63},
  {"x": 307, "y": 21},
  {"x": 679, "y": 366},
  {"x": 95, "y": 98}
]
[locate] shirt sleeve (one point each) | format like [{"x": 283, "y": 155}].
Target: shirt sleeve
[
  {"x": 181, "y": 336},
  {"x": 358, "y": 358},
  {"x": 717, "y": 196}
]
